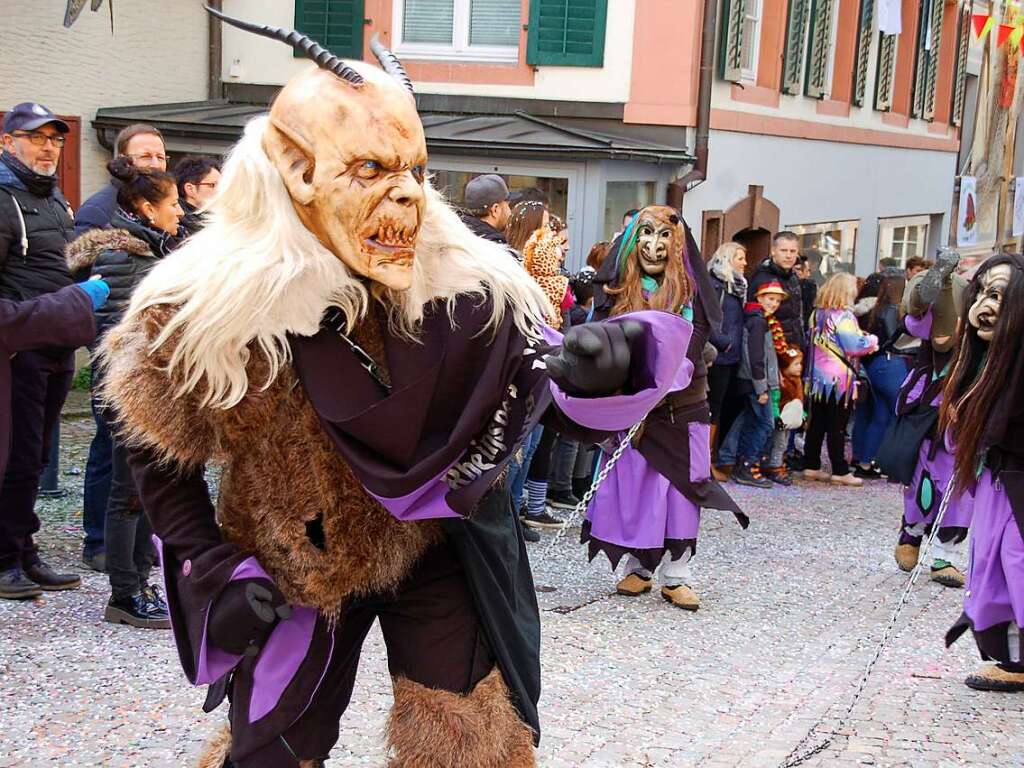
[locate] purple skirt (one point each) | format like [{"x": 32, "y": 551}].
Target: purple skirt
[
  {"x": 921, "y": 499},
  {"x": 638, "y": 511}
]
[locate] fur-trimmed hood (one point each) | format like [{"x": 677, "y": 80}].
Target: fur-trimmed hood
[{"x": 83, "y": 251}]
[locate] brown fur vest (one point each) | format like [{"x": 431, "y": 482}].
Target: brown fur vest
[{"x": 286, "y": 496}]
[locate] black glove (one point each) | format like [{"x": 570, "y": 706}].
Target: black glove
[
  {"x": 242, "y": 618},
  {"x": 936, "y": 278},
  {"x": 594, "y": 358}
]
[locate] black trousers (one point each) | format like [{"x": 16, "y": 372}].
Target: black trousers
[
  {"x": 433, "y": 637},
  {"x": 724, "y": 398},
  {"x": 126, "y": 530},
  {"x": 827, "y": 422},
  {"x": 40, "y": 382}
]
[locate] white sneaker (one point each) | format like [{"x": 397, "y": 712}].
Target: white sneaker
[
  {"x": 848, "y": 479},
  {"x": 817, "y": 474}
]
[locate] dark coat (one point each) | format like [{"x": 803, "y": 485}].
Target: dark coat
[
  {"x": 759, "y": 367},
  {"x": 123, "y": 256},
  {"x": 97, "y": 211},
  {"x": 487, "y": 232},
  {"x": 63, "y": 318},
  {"x": 791, "y": 312},
  {"x": 192, "y": 221},
  {"x": 729, "y": 340},
  {"x": 34, "y": 230}
]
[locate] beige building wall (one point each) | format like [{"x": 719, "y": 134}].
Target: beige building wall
[{"x": 157, "y": 54}]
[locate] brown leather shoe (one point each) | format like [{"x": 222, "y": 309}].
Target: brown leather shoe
[
  {"x": 722, "y": 473},
  {"x": 633, "y": 585},
  {"x": 994, "y": 677},
  {"x": 948, "y": 576},
  {"x": 906, "y": 556},
  {"x": 50, "y": 580},
  {"x": 681, "y": 597}
]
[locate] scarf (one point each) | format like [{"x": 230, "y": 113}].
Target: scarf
[
  {"x": 778, "y": 336},
  {"x": 36, "y": 183},
  {"x": 164, "y": 243},
  {"x": 737, "y": 286}
]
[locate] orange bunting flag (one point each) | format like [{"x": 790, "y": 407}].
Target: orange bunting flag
[
  {"x": 1004, "y": 32},
  {"x": 982, "y": 24}
]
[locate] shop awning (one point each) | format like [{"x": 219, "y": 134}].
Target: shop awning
[{"x": 213, "y": 126}]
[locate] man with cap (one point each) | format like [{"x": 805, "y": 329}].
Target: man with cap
[
  {"x": 485, "y": 207},
  {"x": 35, "y": 225}
]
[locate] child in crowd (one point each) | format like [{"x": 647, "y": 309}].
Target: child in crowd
[
  {"x": 789, "y": 408},
  {"x": 758, "y": 377}
]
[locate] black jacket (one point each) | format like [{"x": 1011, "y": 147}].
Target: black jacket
[
  {"x": 97, "y": 211},
  {"x": 124, "y": 255},
  {"x": 487, "y": 232},
  {"x": 791, "y": 312},
  {"x": 192, "y": 221},
  {"x": 34, "y": 231}
]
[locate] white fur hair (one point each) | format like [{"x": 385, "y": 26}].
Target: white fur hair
[{"x": 255, "y": 274}]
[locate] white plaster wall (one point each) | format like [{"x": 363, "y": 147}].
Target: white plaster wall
[
  {"x": 268, "y": 62},
  {"x": 157, "y": 54},
  {"x": 819, "y": 181}
]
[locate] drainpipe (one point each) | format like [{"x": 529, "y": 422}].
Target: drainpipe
[
  {"x": 678, "y": 187},
  {"x": 214, "y": 87}
]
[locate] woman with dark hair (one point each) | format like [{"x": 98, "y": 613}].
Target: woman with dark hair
[
  {"x": 886, "y": 370},
  {"x": 142, "y": 232},
  {"x": 526, "y": 219},
  {"x": 982, "y": 416}
]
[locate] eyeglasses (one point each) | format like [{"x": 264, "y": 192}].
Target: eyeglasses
[
  {"x": 40, "y": 139},
  {"x": 210, "y": 184},
  {"x": 147, "y": 157}
]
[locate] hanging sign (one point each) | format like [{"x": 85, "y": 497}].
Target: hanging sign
[{"x": 967, "y": 216}]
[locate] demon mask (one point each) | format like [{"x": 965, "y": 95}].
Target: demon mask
[
  {"x": 350, "y": 148},
  {"x": 652, "y": 264},
  {"x": 658, "y": 236}
]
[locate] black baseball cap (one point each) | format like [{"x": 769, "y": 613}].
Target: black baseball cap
[
  {"x": 484, "y": 191},
  {"x": 29, "y": 115}
]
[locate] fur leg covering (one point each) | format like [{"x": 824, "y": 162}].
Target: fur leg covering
[
  {"x": 216, "y": 751},
  {"x": 438, "y": 729}
]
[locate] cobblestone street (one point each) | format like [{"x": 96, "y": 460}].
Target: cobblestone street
[{"x": 792, "y": 610}]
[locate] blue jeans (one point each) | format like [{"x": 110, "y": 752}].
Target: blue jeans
[
  {"x": 749, "y": 434},
  {"x": 872, "y": 419},
  {"x": 517, "y": 472},
  {"x": 98, "y": 471}
]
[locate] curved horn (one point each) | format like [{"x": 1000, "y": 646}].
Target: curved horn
[
  {"x": 390, "y": 63},
  {"x": 301, "y": 43}
]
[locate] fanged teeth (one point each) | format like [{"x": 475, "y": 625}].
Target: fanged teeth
[{"x": 391, "y": 234}]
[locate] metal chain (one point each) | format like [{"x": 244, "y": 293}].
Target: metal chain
[
  {"x": 795, "y": 759},
  {"x": 581, "y": 508}
]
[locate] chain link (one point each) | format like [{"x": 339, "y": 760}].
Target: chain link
[
  {"x": 794, "y": 759},
  {"x": 581, "y": 508}
]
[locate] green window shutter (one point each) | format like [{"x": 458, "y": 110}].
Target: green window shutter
[
  {"x": 567, "y": 33},
  {"x": 730, "y": 51},
  {"x": 960, "y": 87},
  {"x": 796, "y": 42},
  {"x": 860, "y": 73},
  {"x": 336, "y": 24},
  {"x": 932, "y": 71},
  {"x": 822, "y": 18},
  {"x": 885, "y": 72}
]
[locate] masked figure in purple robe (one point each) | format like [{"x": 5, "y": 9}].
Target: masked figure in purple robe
[
  {"x": 914, "y": 455},
  {"x": 361, "y": 368},
  {"x": 983, "y": 418},
  {"x": 648, "y": 509}
]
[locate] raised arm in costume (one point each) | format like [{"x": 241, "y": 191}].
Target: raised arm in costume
[
  {"x": 648, "y": 509},
  {"x": 362, "y": 367},
  {"x": 983, "y": 419},
  {"x": 913, "y": 454}
]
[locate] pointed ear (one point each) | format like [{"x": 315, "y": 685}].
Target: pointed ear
[{"x": 294, "y": 158}]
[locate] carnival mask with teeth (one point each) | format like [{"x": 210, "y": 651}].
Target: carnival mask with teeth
[
  {"x": 657, "y": 239},
  {"x": 984, "y": 312},
  {"x": 350, "y": 148}
]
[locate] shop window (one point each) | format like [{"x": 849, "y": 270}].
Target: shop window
[
  {"x": 452, "y": 184},
  {"x": 902, "y": 239},
  {"x": 830, "y": 247},
  {"x": 622, "y": 196},
  {"x": 461, "y": 30}
]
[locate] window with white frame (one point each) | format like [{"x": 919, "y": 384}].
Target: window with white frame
[
  {"x": 458, "y": 30},
  {"x": 751, "y": 38},
  {"x": 902, "y": 238}
]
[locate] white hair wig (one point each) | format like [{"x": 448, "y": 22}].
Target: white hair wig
[{"x": 255, "y": 274}]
